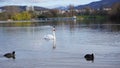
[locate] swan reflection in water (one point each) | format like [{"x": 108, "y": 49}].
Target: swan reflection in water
[
  {"x": 54, "y": 44},
  {"x": 89, "y": 57}
]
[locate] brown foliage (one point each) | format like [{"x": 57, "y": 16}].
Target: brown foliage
[{"x": 115, "y": 12}]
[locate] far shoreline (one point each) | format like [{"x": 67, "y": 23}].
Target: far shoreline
[{"x": 22, "y": 21}]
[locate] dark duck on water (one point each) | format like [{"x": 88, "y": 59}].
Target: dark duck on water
[
  {"x": 10, "y": 55},
  {"x": 89, "y": 57}
]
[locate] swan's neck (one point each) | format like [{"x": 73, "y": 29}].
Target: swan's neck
[{"x": 54, "y": 37}]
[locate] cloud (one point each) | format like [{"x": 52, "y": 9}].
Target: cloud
[
  {"x": 44, "y": 3},
  {"x": 25, "y": 1},
  {"x": 19, "y": 2},
  {"x": 41, "y": 1},
  {"x": 2, "y": 0}
]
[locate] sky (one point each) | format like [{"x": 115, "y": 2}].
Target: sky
[{"x": 45, "y": 3}]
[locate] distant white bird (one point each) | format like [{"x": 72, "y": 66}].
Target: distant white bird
[{"x": 51, "y": 36}]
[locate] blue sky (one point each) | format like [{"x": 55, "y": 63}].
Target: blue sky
[{"x": 45, "y": 3}]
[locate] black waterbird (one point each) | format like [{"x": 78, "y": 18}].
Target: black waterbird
[{"x": 10, "y": 55}]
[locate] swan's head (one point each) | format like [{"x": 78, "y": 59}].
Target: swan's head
[
  {"x": 53, "y": 28},
  {"x": 13, "y": 52}
]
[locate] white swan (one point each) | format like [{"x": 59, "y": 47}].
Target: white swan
[{"x": 50, "y": 36}]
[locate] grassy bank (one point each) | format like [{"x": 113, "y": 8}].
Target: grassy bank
[{"x": 91, "y": 17}]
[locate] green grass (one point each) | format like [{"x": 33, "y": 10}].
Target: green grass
[{"x": 91, "y": 17}]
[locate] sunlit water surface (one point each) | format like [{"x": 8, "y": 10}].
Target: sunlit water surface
[{"x": 73, "y": 41}]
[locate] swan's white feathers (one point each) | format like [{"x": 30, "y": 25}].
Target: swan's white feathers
[{"x": 49, "y": 37}]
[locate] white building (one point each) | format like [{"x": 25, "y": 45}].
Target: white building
[
  {"x": 29, "y": 8},
  {"x": 107, "y": 9}
]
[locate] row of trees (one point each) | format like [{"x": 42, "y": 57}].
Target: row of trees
[
  {"x": 15, "y": 13},
  {"x": 57, "y": 13},
  {"x": 114, "y": 14},
  {"x": 16, "y": 16},
  {"x": 111, "y": 13},
  {"x": 21, "y": 16}
]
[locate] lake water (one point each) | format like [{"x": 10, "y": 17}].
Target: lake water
[{"x": 73, "y": 41}]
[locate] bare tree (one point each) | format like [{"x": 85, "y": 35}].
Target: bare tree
[
  {"x": 11, "y": 10},
  {"x": 115, "y": 12},
  {"x": 54, "y": 12},
  {"x": 71, "y": 10}
]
